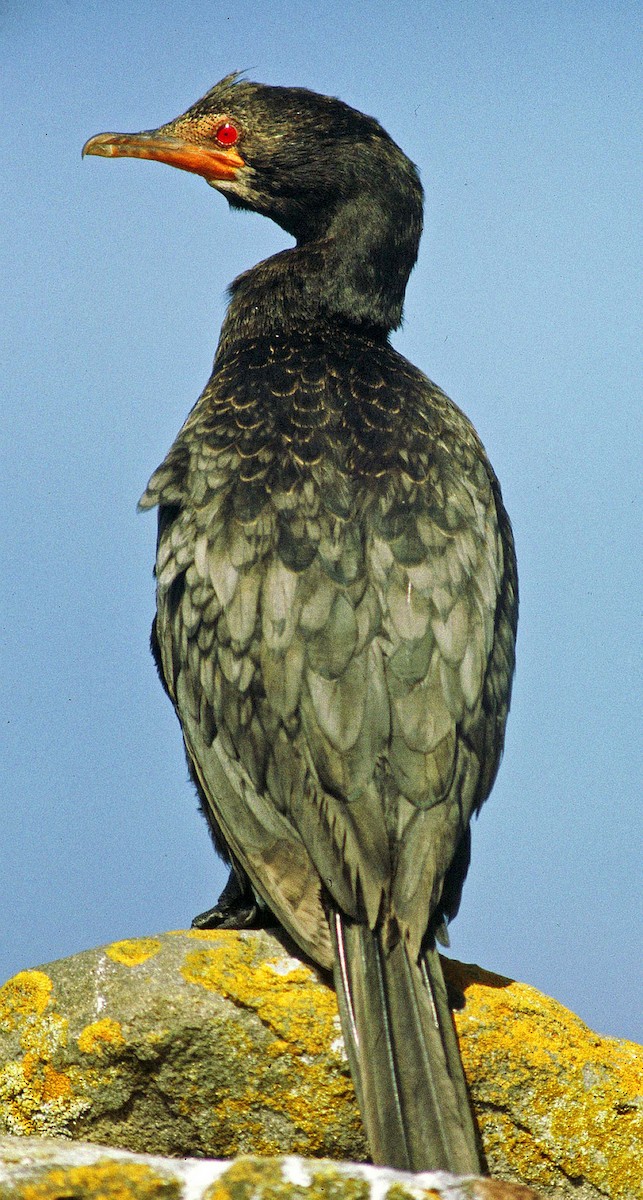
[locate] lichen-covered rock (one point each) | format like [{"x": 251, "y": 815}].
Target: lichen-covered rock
[
  {"x": 557, "y": 1105},
  {"x": 189, "y": 1043},
  {"x": 219, "y": 1044},
  {"x": 51, "y": 1169}
]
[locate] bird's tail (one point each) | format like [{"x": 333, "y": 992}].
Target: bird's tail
[{"x": 403, "y": 1054}]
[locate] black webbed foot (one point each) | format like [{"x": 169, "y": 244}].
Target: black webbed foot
[
  {"x": 236, "y": 908},
  {"x": 241, "y": 916}
]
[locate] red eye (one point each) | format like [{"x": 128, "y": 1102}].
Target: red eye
[{"x": 227, "y": 134}]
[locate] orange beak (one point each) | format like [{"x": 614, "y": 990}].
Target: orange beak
[{"x": 177, "y": 144}]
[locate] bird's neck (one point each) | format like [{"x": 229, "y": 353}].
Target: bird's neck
[{"x": 354, "y": 272}]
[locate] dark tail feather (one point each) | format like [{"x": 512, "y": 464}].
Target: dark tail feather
[{"x": 403, "y": 1054}]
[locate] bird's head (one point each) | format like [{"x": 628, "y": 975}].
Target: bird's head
[{"x": 288, "y": 153}]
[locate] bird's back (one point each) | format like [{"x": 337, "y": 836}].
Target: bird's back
[{"x": 336, "y": 621}]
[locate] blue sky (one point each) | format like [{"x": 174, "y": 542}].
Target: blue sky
[{"x": 523, "y": 307}]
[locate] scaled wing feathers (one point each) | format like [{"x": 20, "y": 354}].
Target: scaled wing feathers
[{"x": 339, "y": 648}]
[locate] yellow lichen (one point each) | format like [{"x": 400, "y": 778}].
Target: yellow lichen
[
  {"x": 101, "y": 1036},
  {"x": 299, "y": 1014},
  {"x": 327, "y": 1183},
  {"x": 44, "y": 1036},
  {"x": 264, "y": 1179},
  {"x": 309, "y": 1106},
  {"x": 55, "y": 1084},
  {"x": 246, "y": 1179},
  {"x": 36, "y": 1096},
  {"x": 309, "y": 1095},
  {"x": 204, "y": 935},
  {"x": 103, "y": 1180},
  {"x": 26, "y": 994},
  {"x": 133, "y": 951},
  {"x": 41, "y": 1103},
  {"x": 533, "y": 1056}
]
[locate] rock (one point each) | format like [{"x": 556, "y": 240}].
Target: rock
[
  {"x": 557, "y": 1106},
  {"x": 52, "y": 1169},
  {"x": 219, "y": 1044},
  {"x": 189, "y": 1043}
]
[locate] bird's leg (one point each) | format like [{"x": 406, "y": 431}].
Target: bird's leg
[{"x": 236, "y": 908}]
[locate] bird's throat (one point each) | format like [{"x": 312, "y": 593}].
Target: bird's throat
[{"x": 355, "y": 273}]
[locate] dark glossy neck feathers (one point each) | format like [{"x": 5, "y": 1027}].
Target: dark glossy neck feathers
[{"x": 351, "y": 263}]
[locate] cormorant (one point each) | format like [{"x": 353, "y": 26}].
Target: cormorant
[{"x": 336, "y": 596}]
